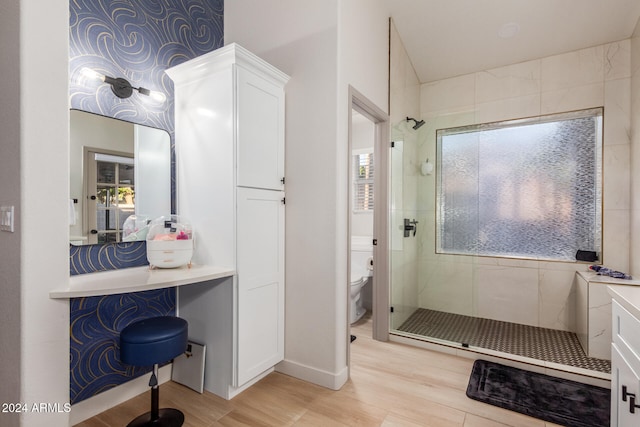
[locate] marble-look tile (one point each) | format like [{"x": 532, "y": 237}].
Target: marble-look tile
[
  {"x": 562, "y": 266},
  {"x": 404, "y": 296},
  {"x": 581, "y": 288},
  {"x": 617, "y": 110},
  {"x": 447, "y": 95},
  {"x": 396, "y": 230},
  {"x": 557, "y": 299},
  {"x": 508, "y": 109},
  {"x": 617, "y": 170},
  {"x": 507, "y": 294},
  {"x": 504, "y": 262},
  {"x": 571, "y": 99},
  {"x": 617, "y": 60},
  {"x": 448, "y": 287},
  {"x": 599, "y": 321},
  {"x": 426, "y": 235},
  {"x": 616, "y": 244},
  {"x": 577, "y": 68},
  {"x": 512, "y": 81},
  {"x": 427, "y": 187},
  {"x": 587, "y": 78},
  {"x": 635, "y": 52},
  {"x": 635, "y": 160},
  {"x": 410, "y": 167}
]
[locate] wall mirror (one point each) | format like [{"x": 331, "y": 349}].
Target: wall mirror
[{"x": 120, "y": 178}]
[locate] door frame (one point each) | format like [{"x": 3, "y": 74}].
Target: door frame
[
  {"x": 381, "y": 275},
  {"x": 89, "y": 188}
]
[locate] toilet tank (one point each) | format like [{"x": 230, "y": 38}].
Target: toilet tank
[{"x": 361, "y": 256}]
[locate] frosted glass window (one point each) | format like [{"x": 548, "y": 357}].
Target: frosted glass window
[{"x": 527, "y": 188}]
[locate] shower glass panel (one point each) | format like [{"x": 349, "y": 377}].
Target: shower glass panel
[
  {"x": 403, "y": 295},
  {"x": 403, "y": 205}
]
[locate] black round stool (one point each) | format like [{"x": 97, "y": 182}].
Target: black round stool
[{"x": 150, "y": 342}]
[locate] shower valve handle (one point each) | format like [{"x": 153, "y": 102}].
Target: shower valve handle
[{"x": 409, "y": 226}]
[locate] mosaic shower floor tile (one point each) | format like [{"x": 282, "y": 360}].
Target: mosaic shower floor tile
[{"x": 549, "y": 345}]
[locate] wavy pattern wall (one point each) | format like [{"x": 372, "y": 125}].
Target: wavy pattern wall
[
  {"x": 137, "y": 40},
  {"x": 96, "y": 323}
]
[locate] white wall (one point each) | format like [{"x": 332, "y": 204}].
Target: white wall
[
  {"x": 10, "y": 348},
  {"x": 324, "y": 46},
  {"x": 34, "y": 118},
  {"x": 525, "y": 291}
]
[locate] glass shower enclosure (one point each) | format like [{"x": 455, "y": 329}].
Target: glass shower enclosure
[{"x": 466, "y": 269}]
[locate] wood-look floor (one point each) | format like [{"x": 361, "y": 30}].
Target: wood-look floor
[{"x": 391, "y": 385}]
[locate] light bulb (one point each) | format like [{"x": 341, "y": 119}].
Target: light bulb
[
  {"x": 91, "y": 74},
  {"x": 157, "y": 96}
]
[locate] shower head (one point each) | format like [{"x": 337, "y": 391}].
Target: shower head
[{"x": 418, "y": 123}]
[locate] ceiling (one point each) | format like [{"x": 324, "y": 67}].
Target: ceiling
[{"x": 446, "y": 38}]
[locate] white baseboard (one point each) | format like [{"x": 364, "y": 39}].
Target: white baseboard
[
  {"x": 115, "y": 396},
  {"x": 334, "y": 381}
]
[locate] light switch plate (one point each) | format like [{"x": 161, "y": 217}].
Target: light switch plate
[{"x": 6, "y": 218}]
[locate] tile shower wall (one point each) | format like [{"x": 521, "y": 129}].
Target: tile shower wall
[
  {"x": 635, "y": 151},
  {"x": 136, "y": 40},
  {"x": 530, "y": 292}
]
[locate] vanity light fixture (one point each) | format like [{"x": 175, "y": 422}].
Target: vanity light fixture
[{"x": 121, "y": 87}]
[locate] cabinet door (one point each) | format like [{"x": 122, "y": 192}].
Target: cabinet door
[
  {"x": 625, "y": 387},
  {"x": 260, "y": 132},
  {"x": 260, "y": 246}
]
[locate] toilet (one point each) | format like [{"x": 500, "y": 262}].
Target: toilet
[{"x": 361, "y": 273}]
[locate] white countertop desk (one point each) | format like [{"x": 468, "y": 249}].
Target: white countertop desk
[
  {"x": 138, "y": 279},
  {"x": 200, "y": 289}
]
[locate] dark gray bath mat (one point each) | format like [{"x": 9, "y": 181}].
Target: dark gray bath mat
[{"x": 548, "y": 398}]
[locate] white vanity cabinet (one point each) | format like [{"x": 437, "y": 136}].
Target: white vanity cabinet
[
  {"x": 229, "y": 109},
  {"x": 260, "y": 131},
  {"x": 260, "y": 265},
  {"x": 625, "y": 357}
]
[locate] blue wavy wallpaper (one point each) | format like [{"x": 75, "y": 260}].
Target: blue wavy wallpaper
[
  {"x": 93, "y": 258},
  {"x": 95, "y": 328},
  {"x": 137, "y": 40}
]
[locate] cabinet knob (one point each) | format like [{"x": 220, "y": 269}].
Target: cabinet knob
[{"x": 282, "y": 180}]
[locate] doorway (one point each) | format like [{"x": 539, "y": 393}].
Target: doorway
[
  {"x": 110, "y": 197},
  {"x": 368, "y": 179}
]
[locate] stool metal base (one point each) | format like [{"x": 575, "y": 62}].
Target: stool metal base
[{"x": 167, "y": 417}]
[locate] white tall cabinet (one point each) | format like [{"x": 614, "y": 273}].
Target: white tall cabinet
[{"x": 229, "y": 109}]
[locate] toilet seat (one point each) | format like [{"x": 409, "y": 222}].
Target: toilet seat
[{"x": 357, "y": 280}]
